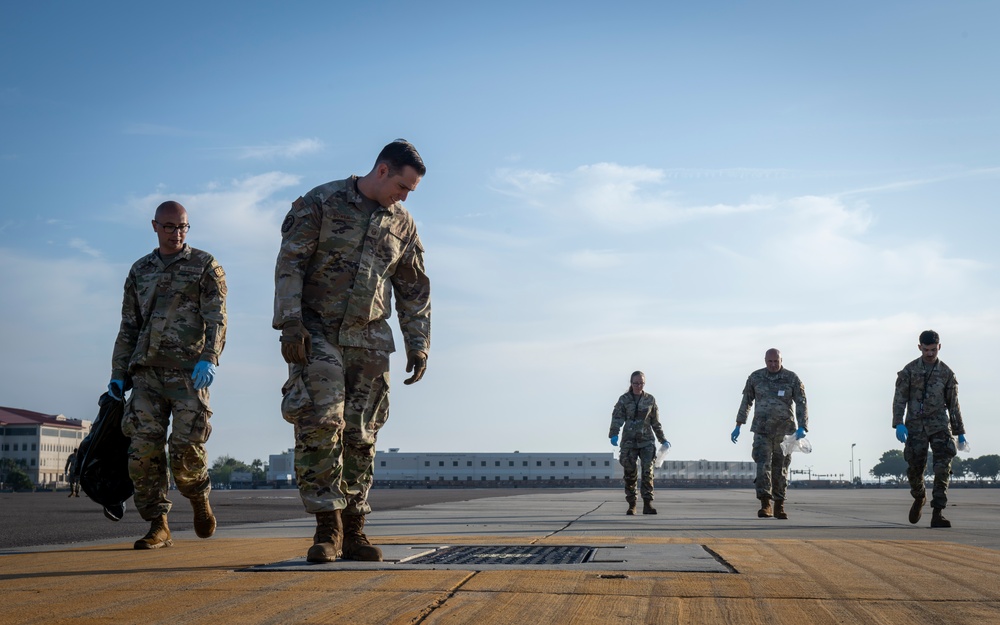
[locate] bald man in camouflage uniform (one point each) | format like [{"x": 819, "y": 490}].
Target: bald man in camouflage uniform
[
  {"x": 772, "y": 391},
  {"x": 173, "y": 330},
  {"x": 927, "y": 396},
  {"x": 348, "y": 246}
]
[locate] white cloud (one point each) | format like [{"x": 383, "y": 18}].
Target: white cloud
[
  {"x": 239, "y": 218},
  {"x": 292, "y": 149},
  {"x": 82, "y": 246},
  {"x": 594, "y": 260},
  {"x": 611, "y": 196}
]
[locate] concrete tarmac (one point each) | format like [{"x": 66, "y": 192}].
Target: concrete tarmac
[{"x": 844, "y": 556}]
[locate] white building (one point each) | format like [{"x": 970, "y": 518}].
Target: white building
[
  {"x": 41, "y": 443},
  {"x": 705, "y": 470},
  {"x": 481, "y": 467},
  {"x": 472, "y": 469},
  {"x": 281, "y": 468}
]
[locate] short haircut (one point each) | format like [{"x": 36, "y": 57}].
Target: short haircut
[
  {"x": 399, "y": 154},
  {"x": 929, "y": 337}
]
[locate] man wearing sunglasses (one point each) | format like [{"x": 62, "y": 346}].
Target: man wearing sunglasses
[{"x": 172, "y": 332}]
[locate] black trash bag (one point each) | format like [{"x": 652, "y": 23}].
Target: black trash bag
[{"x": 102, "y": 461}]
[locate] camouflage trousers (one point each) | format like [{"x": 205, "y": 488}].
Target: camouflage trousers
[
  {"x": 772, "y": 465},
  {"x": 156, "y": 394},
  {"x": 915, "y": 452},
  {"x": 631, "y": 457},
  {"x": 337, "y": 403}
]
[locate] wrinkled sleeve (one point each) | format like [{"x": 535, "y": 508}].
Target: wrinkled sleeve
[
  {"x": 412, "y": 289},
  {"x": 213, "y": 311},
  {"x": 901, "y": 397},
  {"x": 654, "y": 421},
  {"x": 299, "y": 238},
  {"x": 617, "y": 418},
  {"x": 748, "y": 399},
  {"x": 128, "y": 332},
  {"x": 801, "y": 407},
  {"x": 954, "y": 410}
]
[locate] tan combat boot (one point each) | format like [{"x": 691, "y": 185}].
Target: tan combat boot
[
  {"x": 157, "y": 536},
  {"x": 765, "y": 508},
  {"x": 631, "y": 507},
  {"x": 917, "y": 509},
  {"x": 938, "y": 520},
  {"x": 356, "y": 544},
  {"x": 328, "y": 539},
  {"x": 779, "y": 509},
  {"x": 647, "y": 506},
  {"x": 204, "y": 520}
]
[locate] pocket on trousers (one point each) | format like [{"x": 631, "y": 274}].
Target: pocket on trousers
[
  {"x": 295, "y": 401},
  {"x": 201, "y": 428},
  {"x": 129, "y": 420},
  {"x": 380, "y": 413}
]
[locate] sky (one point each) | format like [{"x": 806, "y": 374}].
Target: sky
[{"x": 670, "y": 187}]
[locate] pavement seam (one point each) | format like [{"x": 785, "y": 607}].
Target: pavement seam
[
  {"x": 719, "y": 559},
  {"x": 440, "y": 602},
  {"x": 569, "y": 523}
]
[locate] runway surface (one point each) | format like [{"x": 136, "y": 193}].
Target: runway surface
[{"x": 843, "y": 557}]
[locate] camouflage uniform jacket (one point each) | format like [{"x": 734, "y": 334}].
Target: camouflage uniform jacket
[
  {"x": 940, "y": 410},
  {"x": 641, "y": 419},
  {"x": 772, "y": 396},
  {"x": 173, "y": 315},
  {"x": 339, "y": 269}
]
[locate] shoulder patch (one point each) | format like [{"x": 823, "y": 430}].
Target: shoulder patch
[
  {"x": 287, "y": 224},
  {"x": 219, "y": 273}
]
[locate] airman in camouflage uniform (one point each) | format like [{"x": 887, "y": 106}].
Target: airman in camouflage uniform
[
  {"x": 71, "y": 475},
  {"x": 927, "y": 396},
  {"x": 173, "y": 330},
  {"x": 346, "y": 247},
  {"x": 638, "y": 419},
  {"x": 772, "y": 391}
]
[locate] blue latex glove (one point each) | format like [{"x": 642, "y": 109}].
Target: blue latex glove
[
  {"x": 961, "y": 439},
  {"x": 800, "y": 433},
  {"x": 116, "y": 389},
  {"x": 614, "y": 440},
  {"x": 736, "y": 433},
  {"x": 901, "y": 433},
  {"x": 204, "y": 373}
]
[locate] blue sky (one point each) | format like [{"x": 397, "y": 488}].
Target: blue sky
[{"x": 611, "y": 186}]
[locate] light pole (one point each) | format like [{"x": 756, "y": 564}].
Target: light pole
[
  {"x": 852, "y": 462},
  {"x": 859, "y": 470}
]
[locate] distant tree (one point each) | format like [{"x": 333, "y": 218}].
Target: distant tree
[
  {"x": 959, "y": 467},
  {"x": 987, "y": 466},
  {"x": 259, "y": 471},
  {"x": 223, "y": 467},
  {"x": 13, "y": 475},
  {"x": 892, "y": 464}
]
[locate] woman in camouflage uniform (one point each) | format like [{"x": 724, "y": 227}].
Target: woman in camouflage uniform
[{"x": 636, "y": 410}]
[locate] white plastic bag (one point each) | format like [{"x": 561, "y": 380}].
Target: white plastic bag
[
  {"x": 792, "y": 444},
  {"x": 965, "y": 447},
  {"x": 661, "y": 453}
]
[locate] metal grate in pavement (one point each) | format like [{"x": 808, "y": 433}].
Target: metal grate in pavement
[{"x": 507, "y": 554}]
